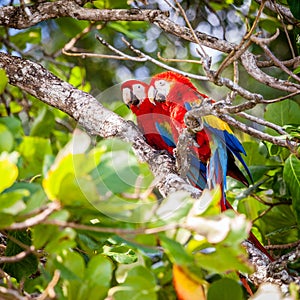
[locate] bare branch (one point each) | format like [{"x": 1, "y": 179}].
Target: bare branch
[
  {"x": 283, "y": 10},
  {"x": 11, "y": 294},
  {"x": 262, "y": 122},
  {"x": 36, "y": 219},
  {"x": 49, "y": 291},
  {"x": 17, "y": 257},
  {"x": 263, "y": 44},
  {"x": 16, "y": 16}
]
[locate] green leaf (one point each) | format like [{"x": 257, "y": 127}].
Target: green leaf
[
  {"x": 140, "y": 283},
  {"x": 70, "y": 27},
  {"x": 33, "y": 151},
  {"x": 295, "y": 8},
  {"x": 6, "y": 139},
  {"x": 176, "y": 251},
  {"x": 31, "y": 36},
  {"x": 63, "y": 239},
  {"x": 12, "y": 202},
  {"x": 3, "y": 80},
  {"x": 25, "y": 267},
  {"x": 41, "y": 234},
  {"x": 110, "y": 4},
  {"x": 43, "y": 124},
  {"x": 5, "y": 220},
  {"x": 225, "y": 289},
  {"x": 124, "y": 28},
  {"x": 283, "y": 113},
  {"x": 9, "y": 173},
  {"x": 14, "y": 125},
  {"x": 121, "y": 254},
  {"x": 291, "y": 175},
  {"x": 78, "y": 79},
  {"x": 98, "y": 275},
  {"x": 223, "y": 259}
]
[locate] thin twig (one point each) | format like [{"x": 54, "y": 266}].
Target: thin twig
[
  {"x": 282, "y": 246},
  {"x": 53, "y": 206},
  {"x": 263, "y": 44},
  {"x": 280, "y": 98},
  {"x": 119, "y": 231},
  {"x": 17, "y": 257},
  {"x": 178, "y": 60},
  {"x": 242, "y": 47},
  {"x": 204, "y": 57},
  {"x": 262, "y": 122},
  {"x": 49, "y": 291}
]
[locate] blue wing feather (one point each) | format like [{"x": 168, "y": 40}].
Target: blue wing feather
[
  {"x": 165, "y": 134},
  {"x": 197, "y": 172}
]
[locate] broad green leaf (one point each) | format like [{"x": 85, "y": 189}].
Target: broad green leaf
[
  {"x": 5, "y": 220},
  {"x": 24, "y": 267},
  {"x": 110, "y": 4},
  {"x": 295, "y": 8},
  {"x": 140, "y": 283},
  {"x": 124, "y": 28},
  {"x": 41, "y": 234},
  {"x": 69, "y": 182},
  {"x": 63, "y": 239},
  {"x": 14, "y": 125},
  {"x": 283, "y": 113},
  {"x": 43, "y": 124},
  {"x": 223, "y": 259},
  {"x": 78, "y": 79},
  {"x": 291, "y": 175},
  {"x": 12, "y": 202},
  {"x": 121, "y": 254},
  {"x": 70, "y": 27},
  {"x": 254, "y": 157},
  {"x": 176, "y": 251},
  {"x": 33, "y": 151},
  {"x": 31, "y": 36},
  {"x": 6, "y": 139},
  {"x": 225, "y": 289},
  {"x": 98, "y": 275},
  {"x": 3, "y": 80},
  {"x": 9, "y": 173},
  {"x": 74, "y": 262}
]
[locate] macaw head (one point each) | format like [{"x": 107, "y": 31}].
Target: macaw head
[
  {"x": 168, "y": 86},
  {"x": 134, "y": 92}
]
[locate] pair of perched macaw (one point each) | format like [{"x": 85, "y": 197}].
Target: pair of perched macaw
[{"x": 160, "y": 108}]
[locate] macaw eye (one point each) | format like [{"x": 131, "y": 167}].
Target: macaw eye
[{"x": 161, "y": 83}]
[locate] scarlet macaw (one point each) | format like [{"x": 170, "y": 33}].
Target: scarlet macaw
[
  {"x": 174, "y": 94},
  {"x": 157, "y": 127}
]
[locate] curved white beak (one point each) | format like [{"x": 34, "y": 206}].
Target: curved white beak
[{"x": 152, "y": 91}]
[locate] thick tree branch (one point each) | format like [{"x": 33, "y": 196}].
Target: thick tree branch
[
  {"x": 19, "y": 18},
  {"x": 84, "y": 108}
]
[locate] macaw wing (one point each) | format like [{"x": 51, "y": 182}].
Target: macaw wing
[
  {"x": 165, "y": 132},
  {"x": 217, "y": 165},
  {"x": 226, "y": 136},
  {"x": 197, "y": 171}
]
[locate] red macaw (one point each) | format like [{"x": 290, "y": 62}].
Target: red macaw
[
  {"x": 157, "y": 127},
  {"x": 175, "y": 95},
  {"x": 217, "y": 146}
]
